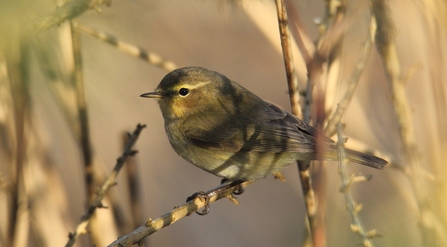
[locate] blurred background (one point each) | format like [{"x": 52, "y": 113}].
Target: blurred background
[{"x": 48, "y": 116}]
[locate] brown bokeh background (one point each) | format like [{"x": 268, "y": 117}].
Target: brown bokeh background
[{"x": 241, "y": 41}]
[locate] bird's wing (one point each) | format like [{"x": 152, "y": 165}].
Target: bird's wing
[
  {"x": 283, "y": 132},
  {"x": 274, "y": 130},
  {"x": 278, "y": 118}
]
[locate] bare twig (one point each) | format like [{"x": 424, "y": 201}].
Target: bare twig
[
  {"x": 65, "y": 12},
  {"x": 96, "y": 203},
  {"x": 150, "y": 57},
  {"x": 152, "y": 226},
  {"x": 352, "y": 82},
  {"x": 134, "y": 187},
  {"x": 353, "y": 208},
  {"x": 292, "y": 80}
]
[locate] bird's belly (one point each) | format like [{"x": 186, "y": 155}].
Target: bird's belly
[
  {"x": 240, "y": 165},
  {"x": 245, "y": 165}
]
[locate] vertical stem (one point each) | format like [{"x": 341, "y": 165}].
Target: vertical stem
[
  {"x": 18, "y": 76},
  {"x": 292, "y": 82},
  {"x": 134, "y": 186},
  {"x": 288, "y": 58},
  {"x": 386, "y": 46},
  {"x": 84, "y": 138},
  {"x": 352, "y": 207}
]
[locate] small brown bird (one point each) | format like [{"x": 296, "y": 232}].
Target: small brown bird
[{"x": 226, "y": 130}]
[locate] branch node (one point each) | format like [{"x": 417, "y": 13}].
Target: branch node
[
  {"x": 372, "y": 234},
  {"x": 141, "y": 126},
  {"x": 347, "y": 184},
  {"x": 362, "y": 178},
  {"x": 355, "y": 228},
  {"x": 367, "y": 243},
  {"x": 148, "y": 222},
  {"x": 358, "y": 207}
]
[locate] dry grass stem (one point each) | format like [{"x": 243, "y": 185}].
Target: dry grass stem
[
  {"x": 17, "y": 63},
  {"x": 352, "y": 83},
  {"x": 386, "y": 45},
  {"x": 135, "y": 51},
  {"x": 111, "y": 180},
  {"x": 81, "y": 105}
]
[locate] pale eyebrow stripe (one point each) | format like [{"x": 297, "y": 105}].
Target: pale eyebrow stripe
[{"x": 201, "y": 84}]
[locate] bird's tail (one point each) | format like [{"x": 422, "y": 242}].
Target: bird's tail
[
  {"x": 366, "y": 159},
  {"x": 359, "y": 158}
]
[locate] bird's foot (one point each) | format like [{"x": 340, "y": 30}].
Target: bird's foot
[
  {"x": 207, "y": 195},
  {"x": 238, "y": 184}
]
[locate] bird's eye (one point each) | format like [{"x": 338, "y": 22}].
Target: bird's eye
[{"x": 183, "y": 91}]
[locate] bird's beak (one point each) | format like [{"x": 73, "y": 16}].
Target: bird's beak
[{"x": 155, "y": 94}]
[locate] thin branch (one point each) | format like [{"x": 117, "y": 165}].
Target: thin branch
[
  {"x": 135, "y": 51},
  {"x": 352, "y": 207},
  {"x": 134, "y": 188},
  {"x": 292, "y": 82},
  {"x": 96, "y": 203},
  {"x": 152, "y": 226},
  {"x": 65, "y": 12},
  {"x": 353, "y": 81},
  {"x": 292, "y": 79}
]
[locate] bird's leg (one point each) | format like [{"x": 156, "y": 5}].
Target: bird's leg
[
  {"x": 207, "y": 195},
  {"x": 238, "y": 190}
]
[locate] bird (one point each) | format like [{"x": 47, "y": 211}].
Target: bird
[{"x": 223, "y": 128}]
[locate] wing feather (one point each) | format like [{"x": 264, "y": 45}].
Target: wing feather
[{"x": 273, "y": 131}]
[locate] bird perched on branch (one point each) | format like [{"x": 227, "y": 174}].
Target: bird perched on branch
[{"x": 223, "y": 128}]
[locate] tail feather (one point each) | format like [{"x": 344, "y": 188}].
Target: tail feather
[
  {"x": 356, "y": 157},
  {"x": 366, "y": 159}
]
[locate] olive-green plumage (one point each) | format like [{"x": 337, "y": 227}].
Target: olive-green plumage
[{"x": 223, "y": 128}]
